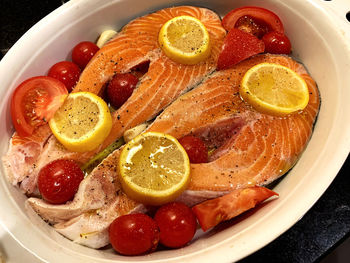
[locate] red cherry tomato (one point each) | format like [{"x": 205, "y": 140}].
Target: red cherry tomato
[
  {"x": 34, "y": 102},
  {"x": 59, "y": 180},
  {"x": 134, "y": 234},
  {"x": 177, "y": 224},
  {"x": 255, "y": 20},
  {"x": 238, "y": 46},
  {"x": 66, "y": 72},
  {"x": 276, "y": 43},
  {"x": 120, "y": 88},
  {"x": 195, "y": 148},
  {"x": 83, "y": 52}
]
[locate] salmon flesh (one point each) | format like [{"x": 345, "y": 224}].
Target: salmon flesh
[
  {"x": 249, "y": 148},
  {"x": 164, "y": 81}
]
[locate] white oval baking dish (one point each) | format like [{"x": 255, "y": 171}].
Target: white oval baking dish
[{"x": 320, "y": 37}]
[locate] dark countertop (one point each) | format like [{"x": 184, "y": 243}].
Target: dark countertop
[{"x": 319, "y": 232}]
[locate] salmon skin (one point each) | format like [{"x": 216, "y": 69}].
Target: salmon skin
[
  {"x": 23, "y": 153},
  {"x": 249, "y": 149},
  {"x": 163, "y": 83}
]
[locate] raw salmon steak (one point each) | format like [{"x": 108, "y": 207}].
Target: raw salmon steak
[
  {"x": 247, "y": 148},
  {"x": 165, "y": 81}
]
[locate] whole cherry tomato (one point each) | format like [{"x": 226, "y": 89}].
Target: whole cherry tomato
[
  {"x": 59, "y": 180},
  {"x": 276, "y": 43},
  {"x": 66, "y": 72},
  {"x": 195, "y": 148},
  {"x": 83, "y": 52},
  {"x": 134, "y": 234},
  {"x": 177, "y": 224},
  {"x": 120, "y": 88}
]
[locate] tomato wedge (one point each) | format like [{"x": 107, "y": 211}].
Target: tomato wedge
[
  {"x": 238, "y": 46},
  {"x": 212, "y": 212},
  {"x": 252, "y": 19},
  {"x": 34, "y": 102}
]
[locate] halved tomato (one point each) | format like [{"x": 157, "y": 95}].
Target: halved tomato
[
  {"x": 252, "y": 19},
  {"x": 35, "y": 101},
  {"x": 212, "y": 212}
]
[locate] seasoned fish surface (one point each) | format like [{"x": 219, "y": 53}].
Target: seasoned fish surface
[
  {"x": 249, "y": 148},
  {"x": 163, "y": 83}
]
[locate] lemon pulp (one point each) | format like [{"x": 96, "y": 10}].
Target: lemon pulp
[
  {"x": 274, "y": 89},
  {"x": 82, "y": 122},
  {"x": 185, "y": 40},
  {"x": 154, "y": 168}
]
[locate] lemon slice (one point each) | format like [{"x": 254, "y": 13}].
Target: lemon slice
[
  {"x": 154, "y": 168},
  {"x": 82, "y": 122},
  {"x": 185, "y": 40},
  {"x": 274, "y": 89}
]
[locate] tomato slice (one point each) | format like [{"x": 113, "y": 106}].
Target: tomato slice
[
  {"x": 238, "y": 46},
  {"x": 212, "y": 212},
  {"x": 34, "y": 102},
  {"x": 253, "y": 19}
]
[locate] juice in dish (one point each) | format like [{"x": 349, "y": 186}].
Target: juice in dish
[{"x": 246, "y": 148}]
